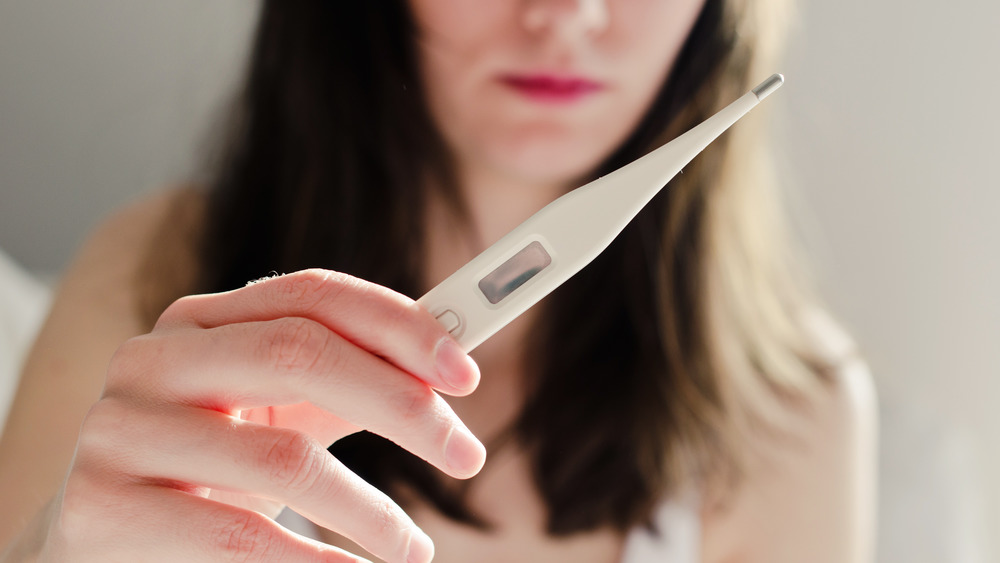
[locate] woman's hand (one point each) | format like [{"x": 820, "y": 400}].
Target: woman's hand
[{"x": 222, "y": 414}]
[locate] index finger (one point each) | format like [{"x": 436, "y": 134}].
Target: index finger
[{"x": 371, "y": 316}]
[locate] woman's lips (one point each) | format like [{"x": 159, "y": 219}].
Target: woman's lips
[{"x": 551, "y": 88}]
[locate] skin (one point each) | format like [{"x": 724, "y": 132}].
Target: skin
[{"x": 243, "y": 390}]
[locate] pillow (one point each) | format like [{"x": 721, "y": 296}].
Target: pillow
[{"x": 24, "y": 302}]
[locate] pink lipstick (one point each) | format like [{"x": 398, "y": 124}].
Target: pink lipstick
[{"x": 551, "y": 88}]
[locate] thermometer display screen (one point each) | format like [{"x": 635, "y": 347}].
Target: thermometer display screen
[{"x": 515, "y": 272}]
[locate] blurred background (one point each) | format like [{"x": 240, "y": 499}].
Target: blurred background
[{"x": 887, "y": 129}]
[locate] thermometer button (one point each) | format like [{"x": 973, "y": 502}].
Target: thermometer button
[{"x": 450, "y": 321}]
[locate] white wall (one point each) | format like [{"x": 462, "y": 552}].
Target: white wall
[
  {"x": 888, "y": 120},
  {"x": 891, "y": 128},
  {"x": 101, "y": 100}
]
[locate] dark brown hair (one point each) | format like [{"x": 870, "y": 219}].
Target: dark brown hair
[{"x": 327, "y": 163}]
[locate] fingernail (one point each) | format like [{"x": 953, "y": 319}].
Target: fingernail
[
  {"x": 463, "y": 453},
  {"x": 455, "y": 367},
  {"x": 421, "y": 548}
]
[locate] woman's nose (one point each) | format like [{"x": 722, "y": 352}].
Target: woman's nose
[{"x": 583, "y": 17}]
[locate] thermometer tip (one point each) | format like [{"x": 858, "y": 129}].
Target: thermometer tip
[{"x": 765, "y": 88}]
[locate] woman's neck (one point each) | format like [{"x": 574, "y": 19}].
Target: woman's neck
[
  {"x": 497, "y": 201},
  {"x": 495, "y": 204}
]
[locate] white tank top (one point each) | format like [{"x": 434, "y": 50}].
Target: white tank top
[{"x": 677, "y": 538}]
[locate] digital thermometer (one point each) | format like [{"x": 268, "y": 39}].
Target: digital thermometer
[{"x": 555, "y": 243}]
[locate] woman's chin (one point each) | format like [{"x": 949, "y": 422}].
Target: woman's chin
[{"x": 547, "y": 165}]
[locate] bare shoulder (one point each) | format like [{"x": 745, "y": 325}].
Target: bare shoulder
[
  {"x": 141, "y": 251},
  {"x": 102, "y": 283},
  {"x": 93, "y": 312},
  {"x": 120, "y": 246},
  {"x": 809, "y": 494},
  {"x": 96, "y": 304},
  {"x": 849, "y": 406}
]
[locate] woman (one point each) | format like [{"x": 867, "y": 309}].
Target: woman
[{"x": 681, "y": 397}]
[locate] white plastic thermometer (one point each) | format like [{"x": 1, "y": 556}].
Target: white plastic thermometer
[{"x": 559, "y": 240}]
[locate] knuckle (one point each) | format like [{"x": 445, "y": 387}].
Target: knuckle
[
  {"x": 295, "y": 461},
  {"x": 134, "y": 362},
  {"x": 413, "y": 404},
  {"x": 310, "y": 288},
  {"x": 384, "y": 518},
  {"x": 75, "y": 512},
  {"x": 407, "y": 317},
  {"x": 180, "y": 310},
  {"x": 87, "y": 509},
  {"x": 245, "y": 537},
  {"x": 101, "y": 424},
  {"x": 296, "y": 344},
  {"x": 125, "y": 360},
  {"x": 390, "y": 525}
]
